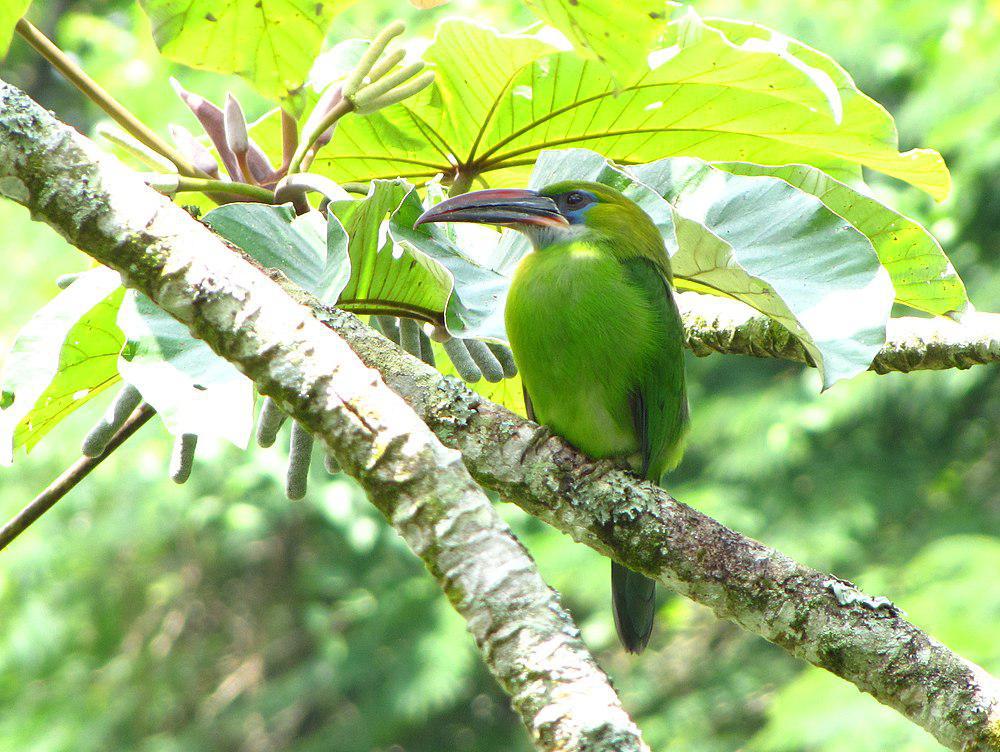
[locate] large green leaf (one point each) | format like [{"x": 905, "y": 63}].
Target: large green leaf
[
  {"x": 758, "y": 240},
  {"x": 386, "y": 277},
  {"x": 433, "y": 131},
  {"x": 921, "y": 273},
  {"x": 10, "y": 12},
  {"x": 864, "y": 119},
  {"x": 271, "y": 43},
  {"x": 192, "y": 388},
  {"x": 618, "y": 34},
  {"x": 707, "y": 97},
  {"x": 62, "y": 358}
]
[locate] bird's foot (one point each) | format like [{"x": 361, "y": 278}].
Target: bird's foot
[{"x": 538, "y": 437}]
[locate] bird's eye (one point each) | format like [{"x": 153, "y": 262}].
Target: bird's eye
[{"x": 575, "y": 199}]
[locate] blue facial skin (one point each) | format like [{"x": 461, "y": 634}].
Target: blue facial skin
[{"x": 574, "y": 205}]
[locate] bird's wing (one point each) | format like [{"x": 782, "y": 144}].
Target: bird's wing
[
  {"x": 529, "y": 409},
  {"x": 658, "y": 400}
]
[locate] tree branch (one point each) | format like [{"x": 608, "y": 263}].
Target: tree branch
[
  {"x": 913, "y": 344},
  {"x": 800, "y": 609},
  {"x": 70, "y": 477},
  {"x": 526, "y": 638}
]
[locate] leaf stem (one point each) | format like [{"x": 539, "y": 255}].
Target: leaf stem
[
  {"x": 208, "y": 185},
  {"x": 97, "y": 94},
  {"x": 73, "y": 475}
]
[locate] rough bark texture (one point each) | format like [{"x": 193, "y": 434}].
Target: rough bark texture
[
  {"x": 812, "y": 615},
  {"x": 525, "y": 636}
]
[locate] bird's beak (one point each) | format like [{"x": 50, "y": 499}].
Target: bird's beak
[{"x": 505, "y": 207}]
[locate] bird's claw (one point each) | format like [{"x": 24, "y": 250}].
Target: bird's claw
[{"x": 538, "y": 437}]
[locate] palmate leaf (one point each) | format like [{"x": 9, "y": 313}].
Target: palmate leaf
[
  {"x": 708, "y": 97},
  {"x": 758, "y": 240},
  {"x": 192, "y": 388},
  {"x": 921, "y": 273},
  {"x": 618, "y": 34},
  {"x": 62, "y": 358},
  {"x": 271, "y": 43}
]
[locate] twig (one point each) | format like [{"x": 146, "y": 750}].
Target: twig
[
  {"x": 70, "y": 477},
  {"x": 96, "y": 93}
]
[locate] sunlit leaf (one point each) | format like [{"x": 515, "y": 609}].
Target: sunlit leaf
[
  {"x": 272, "y": 43},
  {"x": 921, "y": 273},
  {"x": 62, "y": 358},
  {"x": 192, "y": 388},
  {"x": 418, "y": 272},
  {"x": 10, "y": 12},
  {"x": 616, "y": 33},
  {"x": 707, "y": 96},
  {"x": 869, "y": 130}
]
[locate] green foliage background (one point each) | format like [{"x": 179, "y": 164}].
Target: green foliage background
[{"x": 139, "y": 615}]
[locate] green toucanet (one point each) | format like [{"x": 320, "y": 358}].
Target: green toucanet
[{"x": 596, "y": 336}]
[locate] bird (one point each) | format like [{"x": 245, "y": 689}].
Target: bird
[{"x": 597, "y": 337}]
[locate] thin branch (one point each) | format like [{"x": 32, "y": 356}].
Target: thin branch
[
  {"x": 719, "y": 325},
  {"x": 100, "y": 96},
  {"x": 159, "y": 249},
  {"x": 71, "y": 476},
  {"x": 525, "y": 637}
]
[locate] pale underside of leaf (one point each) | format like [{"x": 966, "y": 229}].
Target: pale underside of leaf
[
  {"x": 921, "y": 273},
  {"x": 192, "y": 388}
]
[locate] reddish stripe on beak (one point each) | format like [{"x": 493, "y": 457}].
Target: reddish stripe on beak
[{"x": 503, "y": 206}]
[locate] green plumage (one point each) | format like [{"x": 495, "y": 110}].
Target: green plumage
[
  {"x": 596, "y": 336},
  {"x": 598, "y": 341}
]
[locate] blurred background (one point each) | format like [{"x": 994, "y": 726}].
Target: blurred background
[{"x": 141, "y": 615}]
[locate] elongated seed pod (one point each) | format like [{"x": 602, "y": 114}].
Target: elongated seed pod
[
  {"x": 385, "y": 64},
  {"x": 462, "y": 360},
  {"x": 388, "y": 326},
  {"x": 506, "y": 358},
  {"x": 398, "y": 94},
  {"x": 426, "y": 349},
  {"x": 331, "y": 464},
  {"x": 388, "y": 82},
  {"x": 212, "y": 119},
  {"x": 182, "y": 457},
  {"x": 271, "y": 419},
  {"x": 372, "y": 54},
  {"x": 299, "y": 457},
  {"x": 124, "y": 403},
  {"x": 486, "y": 360},
  {"x": 409, "y": 336}
]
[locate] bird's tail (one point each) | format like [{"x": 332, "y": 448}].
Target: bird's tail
[{"x": 633, "y": 597}]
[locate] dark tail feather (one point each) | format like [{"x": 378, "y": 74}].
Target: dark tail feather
[{"x": 633, "y": 597}]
